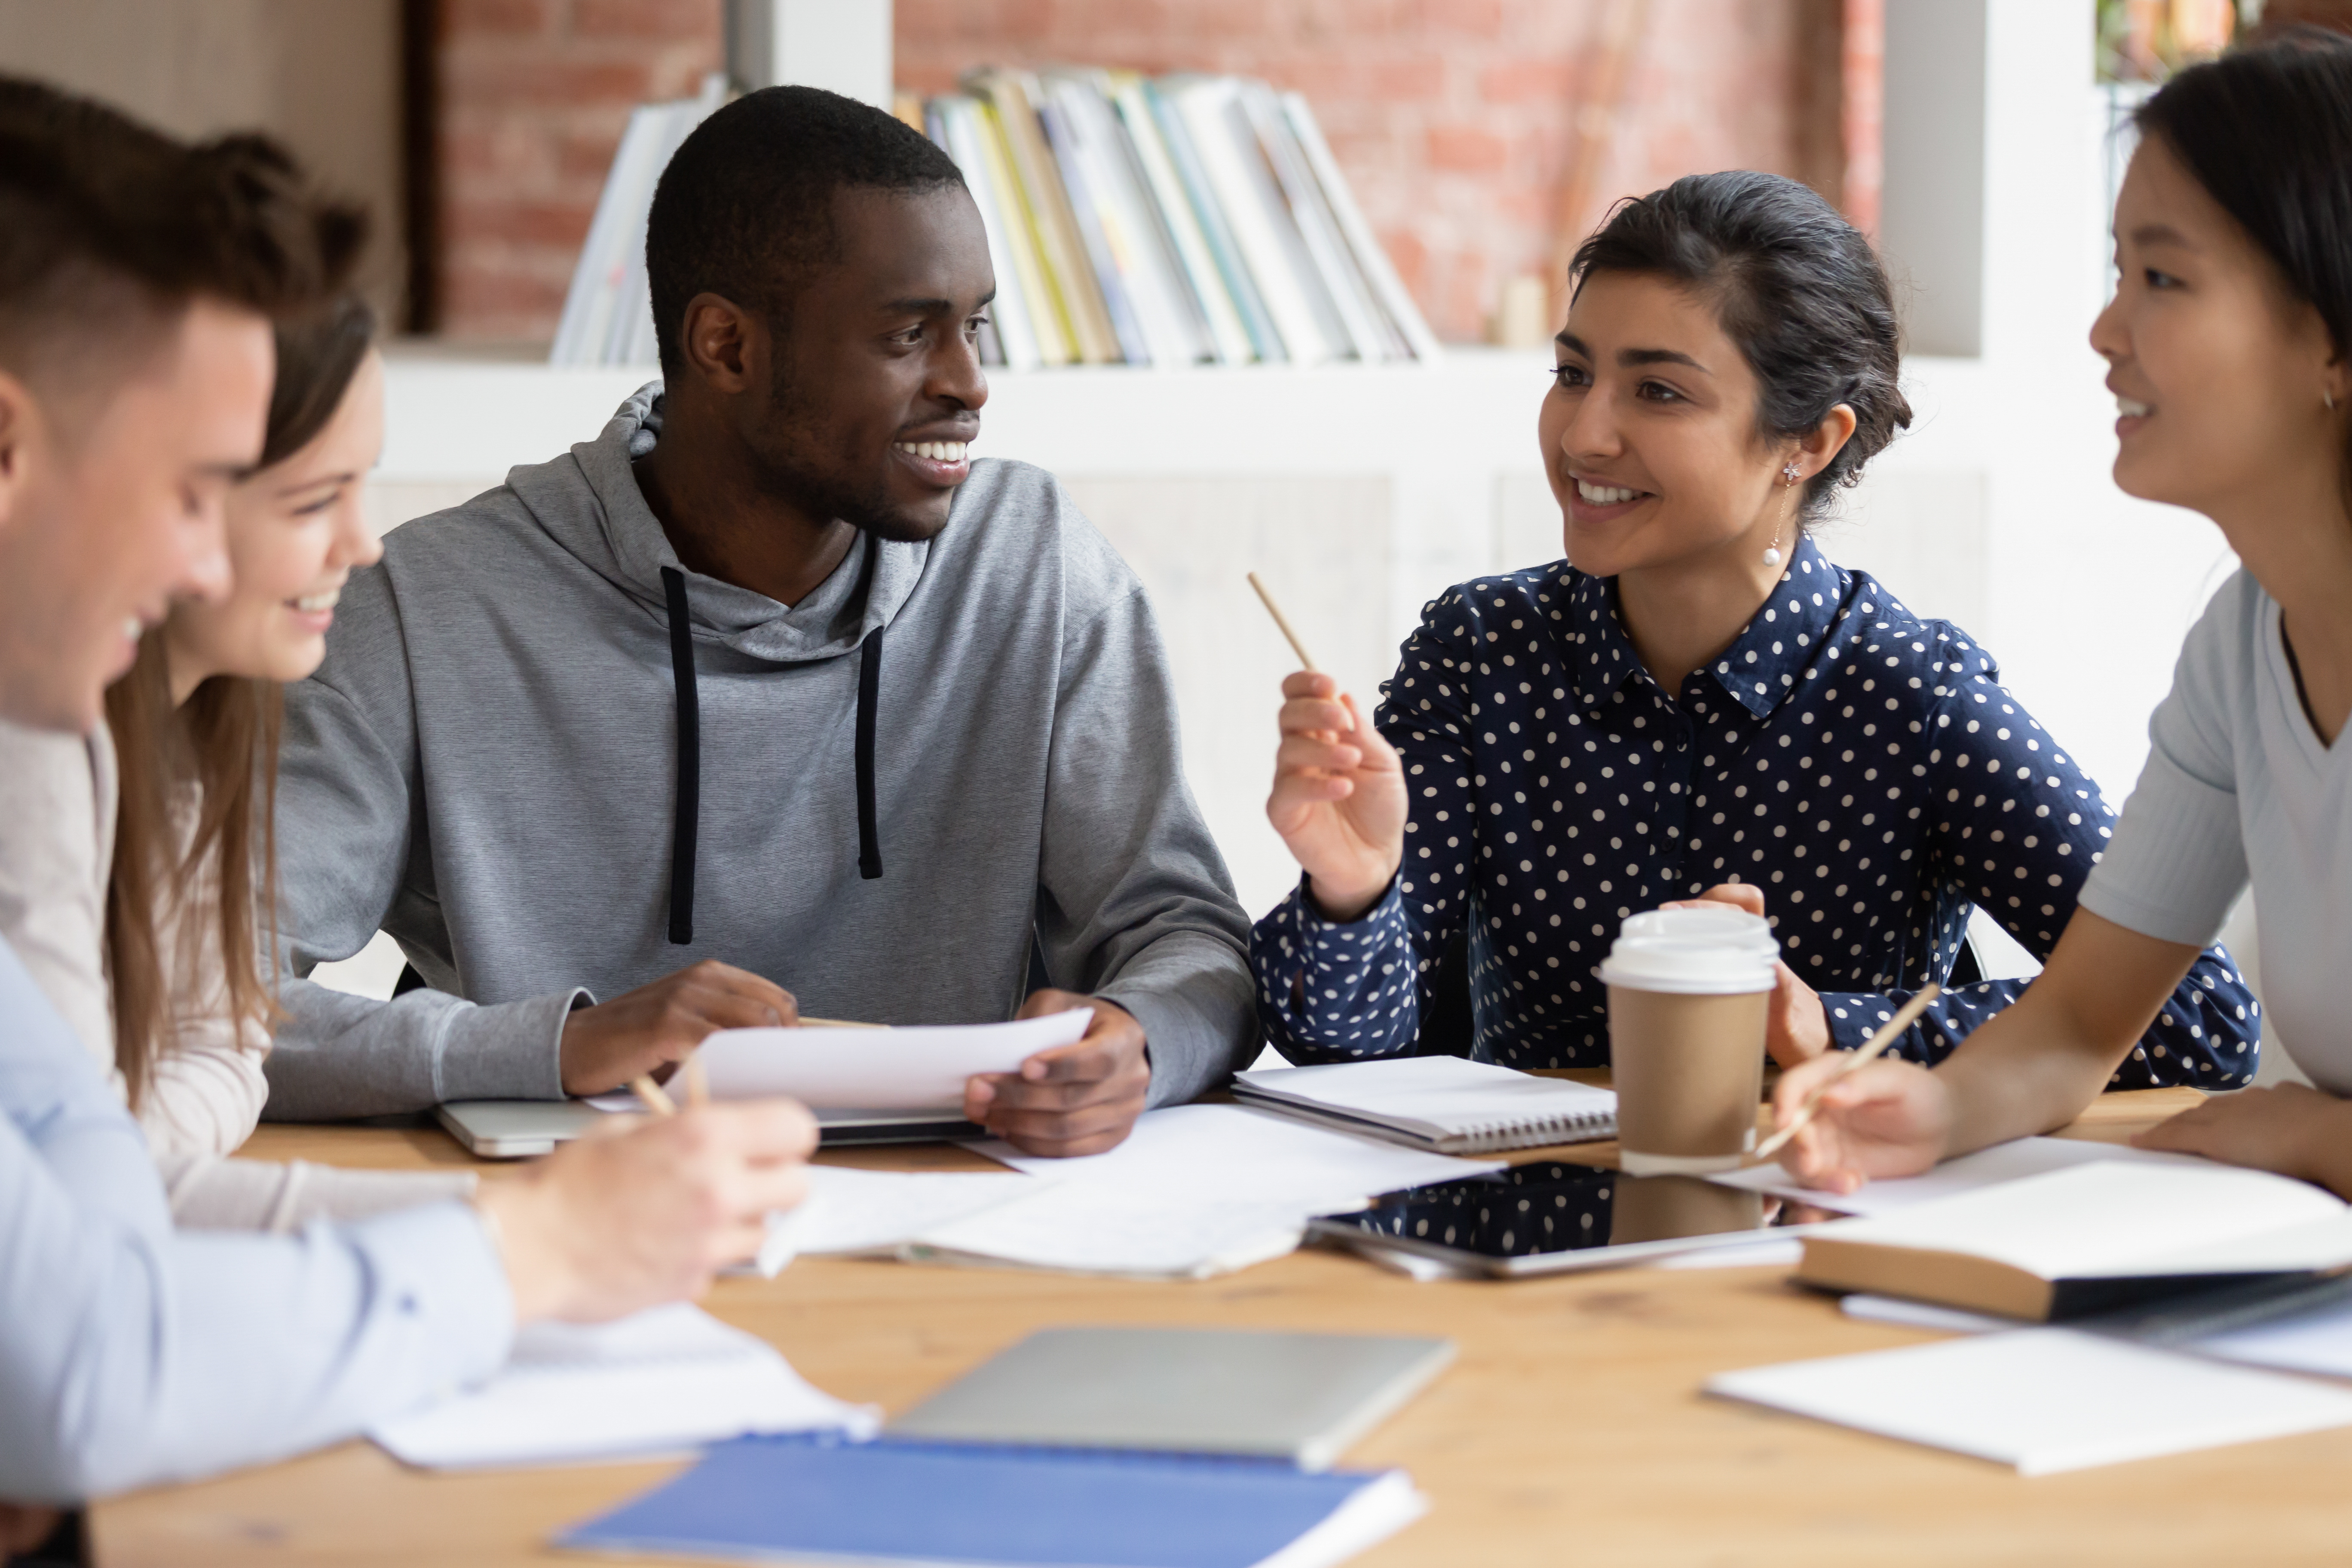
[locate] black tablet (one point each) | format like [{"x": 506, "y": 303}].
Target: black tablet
[{"x": 1547, "y": 1218}]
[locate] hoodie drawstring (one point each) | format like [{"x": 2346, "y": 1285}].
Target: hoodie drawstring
[{"x": 689, "y": 814}]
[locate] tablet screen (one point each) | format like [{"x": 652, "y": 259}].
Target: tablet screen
[{"x": 1547, "y": 1208}]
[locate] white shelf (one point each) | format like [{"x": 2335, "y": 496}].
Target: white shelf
[{"x": 451, "y": 418}]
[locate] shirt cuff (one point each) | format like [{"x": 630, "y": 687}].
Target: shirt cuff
[
  {"x": 513, "y": 1050},
  {"x": 439, "y": 1267},
  {"x": 1313, "y": 923}
]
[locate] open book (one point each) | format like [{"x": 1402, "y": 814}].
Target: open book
[
  {"x": 1447, "y": 1103},
  {"x": 2088, "y": 1239}
]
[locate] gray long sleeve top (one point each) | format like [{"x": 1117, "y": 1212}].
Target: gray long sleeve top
[
  {"x": 131, "y": 1354},
  {"x": 488, "y": 767}
]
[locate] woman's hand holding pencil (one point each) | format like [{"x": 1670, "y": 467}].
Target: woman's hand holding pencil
[
  {"x": 1339, "y": 797},
  {"x": 646, "y": 1213}
]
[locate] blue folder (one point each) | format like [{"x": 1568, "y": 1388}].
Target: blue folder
[{"x": 813, "y": 1496}]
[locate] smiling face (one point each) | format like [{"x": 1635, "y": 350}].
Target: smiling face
[
  {"x": 1649, "y": 436},
  {"x": 877, "y": 387},
  {"x": 295, "y": 534},
  {"x": 111, "y": 507},
  {"x": 2221, "y": 377}
]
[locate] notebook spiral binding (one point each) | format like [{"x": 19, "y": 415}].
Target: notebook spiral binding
[{"x": 1486, "y": 1137}]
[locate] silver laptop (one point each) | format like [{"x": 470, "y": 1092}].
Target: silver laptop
[
  {"x": 1298, "y": 1396},
  {"x": 524, "y": 1128}
]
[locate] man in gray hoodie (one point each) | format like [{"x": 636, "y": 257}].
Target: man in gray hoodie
[{"x": 768, "y": 698}]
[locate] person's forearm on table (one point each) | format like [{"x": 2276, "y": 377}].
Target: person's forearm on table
[{"x": 2041, "y": 1064}]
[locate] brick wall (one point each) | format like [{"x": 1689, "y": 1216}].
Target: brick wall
[
  {"x": 1454, "y": 118},
  {"x": 534, "y": 94}
]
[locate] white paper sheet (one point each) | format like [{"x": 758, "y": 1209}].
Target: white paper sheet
[
  {"x": 1085, "y": 1227},
  {"x": 849, "y": 1212},
  {"x": 922, "y": 1068},
  {"x": 2117, "y": 1219},
  {"x": 2045, "y": 1400},
  {"x": 662, "y": 1381},
  {"x": 2007, "y": 1162},
  {"x": 1196, "y": 1189},
  {"x": 1230, "y": 1151}
]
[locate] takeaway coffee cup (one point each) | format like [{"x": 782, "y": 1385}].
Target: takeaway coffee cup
[{"x": 1687, "y": 994}]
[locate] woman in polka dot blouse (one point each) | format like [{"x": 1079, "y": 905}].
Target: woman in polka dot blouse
[{"x": 1697, "y": 702}]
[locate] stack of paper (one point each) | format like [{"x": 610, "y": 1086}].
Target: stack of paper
[
  {"x": 663, "y": 1382},
  {"x": 1196, "y": 1189}
]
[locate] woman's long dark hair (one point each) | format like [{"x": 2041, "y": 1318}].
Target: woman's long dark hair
[
  {"x": 1793, "y": 284},
  {"x": 224, "y": 741},
  {"x": 2267, "y": 130}
]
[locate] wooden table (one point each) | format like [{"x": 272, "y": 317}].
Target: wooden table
[{"x": 1571, "y": 1429}]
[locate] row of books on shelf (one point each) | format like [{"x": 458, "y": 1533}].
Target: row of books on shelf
[
  {"x": 1182, "y": 221},
  {"x": 1188, "y": 220}
]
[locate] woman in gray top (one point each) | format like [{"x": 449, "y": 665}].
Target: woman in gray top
[{"x": 2227, "y": 342}]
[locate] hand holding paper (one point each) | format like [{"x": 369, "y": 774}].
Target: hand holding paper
[
  {"x": 1078, "y": 1097},
  {"x": 923, "y": 1067}
]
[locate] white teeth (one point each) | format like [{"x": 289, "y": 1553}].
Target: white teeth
[
  {"x": 1604, "y": 495},
  {"x": 2130, "y": 409},
  {"x": 939, "y": 451},
  {"x": 311, "y": 604}
]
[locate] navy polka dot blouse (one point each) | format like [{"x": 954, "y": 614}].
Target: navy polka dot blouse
[{"x": 1862, "y": 766}]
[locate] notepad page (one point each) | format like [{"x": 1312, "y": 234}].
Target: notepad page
[
  {"x": 1989, "y": 1167},
  {"x": 2105, "y": 1217},
  {"x": 2044, "y": 1400},
  {"x": 1438, "y": 1096}
]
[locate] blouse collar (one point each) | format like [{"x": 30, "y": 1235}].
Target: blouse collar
[{"x": 1762, "y": 665}]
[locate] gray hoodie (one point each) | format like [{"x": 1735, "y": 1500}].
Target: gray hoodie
[{"x": 488, "y": 766}]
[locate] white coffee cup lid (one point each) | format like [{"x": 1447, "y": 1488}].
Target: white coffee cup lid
[
  {"x": 1698, "y": 953},
  {"x": 1715, "y": 923}
]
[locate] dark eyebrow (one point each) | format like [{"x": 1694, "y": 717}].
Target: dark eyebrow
[
  {"x": 1629, "y": 357},
  {"x": 931, "y": 306},
  {"x": 2160, "y": 233},
  {"x": 1659, "y": 356}
]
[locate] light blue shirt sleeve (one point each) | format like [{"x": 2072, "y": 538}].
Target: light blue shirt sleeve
[{"x": 132, "y": 1355}]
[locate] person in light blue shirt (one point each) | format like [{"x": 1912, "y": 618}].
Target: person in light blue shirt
[{"x": 138, "y": 282}]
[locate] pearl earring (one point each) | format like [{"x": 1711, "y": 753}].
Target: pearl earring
[{"x": 1772, "y": 556}]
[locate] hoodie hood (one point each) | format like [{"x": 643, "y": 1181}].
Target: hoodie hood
[{"x": 619, "y": 538}]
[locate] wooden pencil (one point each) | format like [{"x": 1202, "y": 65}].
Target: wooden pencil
[
  {"x": 1871, "y": 1049},
  {"x": 1274, "y": 610}
]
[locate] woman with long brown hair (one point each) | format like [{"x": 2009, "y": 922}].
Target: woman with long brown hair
[{"x": 178, "y": 1003}]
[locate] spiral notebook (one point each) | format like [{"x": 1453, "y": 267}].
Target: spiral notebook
[{"x": 1450, "y": 1104}]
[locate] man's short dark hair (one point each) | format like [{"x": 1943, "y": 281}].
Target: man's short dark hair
[
  {"x": 107, "y": 228},
  {"x": 745, "y": 208}
]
